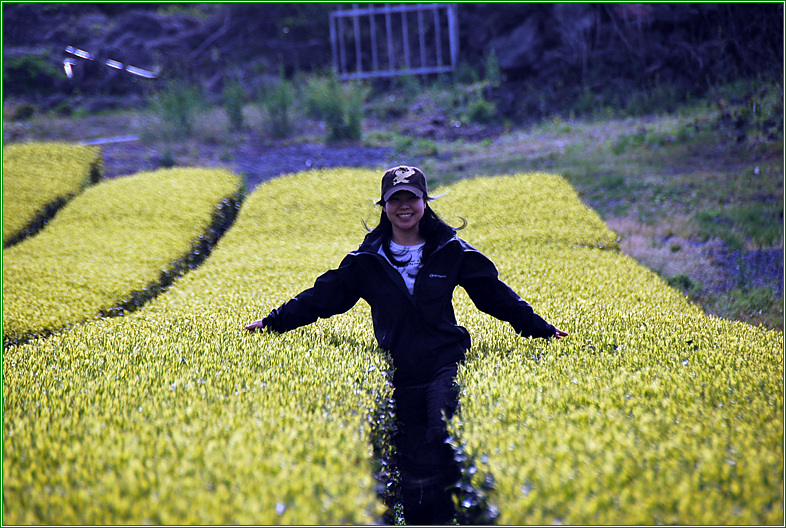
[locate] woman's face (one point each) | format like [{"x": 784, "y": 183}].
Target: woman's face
[{"x": 404, "y": 210}]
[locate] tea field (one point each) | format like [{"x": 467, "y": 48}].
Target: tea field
[
  {"x": 111, "y": 246},
  {"x": 38, "y": 179},
  {"x": 649, "y": 412}
]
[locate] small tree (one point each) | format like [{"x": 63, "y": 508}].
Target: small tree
[
  {"x": 234, "y": 99},
  {"x": 345, "y": 110},
  {"x": 278, "y": 102},
  {"x": 177, "y": 106},
  {"x": 493, "y": 70}
]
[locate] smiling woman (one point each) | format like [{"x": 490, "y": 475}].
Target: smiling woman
[
  {"x": 407, "y": 269},
  {"x": 405, "y": 210}
]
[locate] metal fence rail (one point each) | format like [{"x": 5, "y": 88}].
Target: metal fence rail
[{"x": 390, "y": 40}]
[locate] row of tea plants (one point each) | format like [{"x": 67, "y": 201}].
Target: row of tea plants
[
  {"x": 38, "y": 179},
  {"x": 110, "y": 245},
  {"x": 649, "y": 412}
]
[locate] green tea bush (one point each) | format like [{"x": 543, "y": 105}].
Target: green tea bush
[
  {"x": 174, "y": 414},
  {"x": 512, "y": 212},
  {"x": 649, "y": 412},
  {"x": 38, "y": 179},
  {"x": 116, "y": 238},
  {"x": 629, "y": 421}
]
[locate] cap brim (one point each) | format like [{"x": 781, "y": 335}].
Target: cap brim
[{"x": 414, "y": 190}]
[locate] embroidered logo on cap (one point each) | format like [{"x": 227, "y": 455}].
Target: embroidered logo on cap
[{"x": 403, "y": 174}]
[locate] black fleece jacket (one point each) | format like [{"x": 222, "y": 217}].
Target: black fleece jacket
[{"x": 420, "y": 330}]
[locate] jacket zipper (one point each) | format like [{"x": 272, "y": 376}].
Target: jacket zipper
[{"x": 396, "y": 277}]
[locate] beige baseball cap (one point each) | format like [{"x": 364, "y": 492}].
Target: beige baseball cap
[{"x": 403, "y": 178}]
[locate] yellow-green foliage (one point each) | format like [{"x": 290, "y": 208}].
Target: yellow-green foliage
[
  {"x": 113, "y": 239},
  {"x": 533, "y": 209},
  {"x": 649, "y": 412},
  {"x": 174, "y": 414},
  {"x": 36, "y": 175},
  {"x": 165, "y": 420}
]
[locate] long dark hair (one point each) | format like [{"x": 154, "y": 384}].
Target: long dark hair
[{"x": 431, "y": 227}]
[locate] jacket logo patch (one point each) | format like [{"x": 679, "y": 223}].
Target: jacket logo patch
[
  {"x": 403, "y": 175},
  {"x": 435, "y": 276}
]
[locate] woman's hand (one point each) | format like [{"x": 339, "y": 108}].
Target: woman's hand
[
  {"x": 559, "y": 334},
  {"x": 256, "y": 326}
]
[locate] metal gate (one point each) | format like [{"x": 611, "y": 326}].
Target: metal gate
[{"x": 384, "y": 40}]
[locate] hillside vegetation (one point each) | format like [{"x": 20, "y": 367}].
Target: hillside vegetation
[{"x": 694, "y": 190}]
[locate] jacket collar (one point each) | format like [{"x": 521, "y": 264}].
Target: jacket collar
[{"x": 373, "y": 242}]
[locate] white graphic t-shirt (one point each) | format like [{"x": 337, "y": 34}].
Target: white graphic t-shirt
[{"x": 412, "y": 257}]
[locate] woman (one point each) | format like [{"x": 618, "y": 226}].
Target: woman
[{"x": 406, "y": 269}]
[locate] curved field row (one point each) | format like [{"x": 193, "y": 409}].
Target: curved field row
[
  {"x": 38, "y": 179},
  {"x": 115, "y": 238},
  {"x": 175, "y": 415},
  {"x": 649, "y": 413}
]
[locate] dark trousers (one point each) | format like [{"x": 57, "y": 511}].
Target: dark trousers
[{"x": 426, "y": 463}]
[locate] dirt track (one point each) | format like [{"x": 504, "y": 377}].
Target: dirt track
[{"x": 257, "y": 162}]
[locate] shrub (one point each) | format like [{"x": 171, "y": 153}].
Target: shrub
[
  {"x": 685, "y": 284},
  {"x": 24, "y": 112},
  {"x": 341, "y": 106},
  {"x": 38, "y": 179},
  {"x": 278, "y": 103},
  {"x": 234, "y": 99},
  {"x": 750, "y": 110},
  {"x": 415, "y": 146},
  {"x": 28, "y": 75},
  {"x": 177, "y": 106},
  {"x": 122, "y": 237},
  {"x": 493, "y": 70},
  {"x": 479, "y": 110},
  {"x": 316, "y": 92}
]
